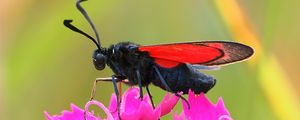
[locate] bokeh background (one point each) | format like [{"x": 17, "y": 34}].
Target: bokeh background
[{"x": 45, "y": 66}]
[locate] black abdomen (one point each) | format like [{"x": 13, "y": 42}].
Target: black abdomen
[{"x": 184, "y": 77}]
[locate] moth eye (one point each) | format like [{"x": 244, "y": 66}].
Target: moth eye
[{"x": 99, "y": 61}]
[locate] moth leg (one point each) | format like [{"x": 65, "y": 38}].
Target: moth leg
[
  {"x": 185, "y": 100},
  {"x": 140, "y": 83},
  {"x": 93, "y": 93},
  {"x": 148, "y": 91},
  {"x": 107, "y": 79},
  {"x": 117, "y": 94},
  {"x": 120, "y": 91},
  {"x": 163, "y": 81}
]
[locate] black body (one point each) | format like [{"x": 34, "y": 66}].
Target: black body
[{"x": 124, "y": 59}]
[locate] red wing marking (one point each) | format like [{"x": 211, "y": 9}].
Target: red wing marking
[
  {"x": 166, "y": 63},
  {"x": 204, "y": 53},
  {"x": 172, "y": 54}
]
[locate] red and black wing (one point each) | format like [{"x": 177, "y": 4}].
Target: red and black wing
[{"x": 204, "y": 53}]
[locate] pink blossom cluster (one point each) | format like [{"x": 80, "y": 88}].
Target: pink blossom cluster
[{"x": 133, "y": 108}]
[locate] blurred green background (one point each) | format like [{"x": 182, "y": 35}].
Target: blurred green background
[{"x": 45, "y": 66}]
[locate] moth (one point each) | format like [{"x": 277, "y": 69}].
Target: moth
[{"x": 172, "y": 67}]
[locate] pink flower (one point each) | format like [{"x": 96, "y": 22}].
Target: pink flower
[
  {"x": 202, "y": 109},
  {"x": 132, "y": 108}
]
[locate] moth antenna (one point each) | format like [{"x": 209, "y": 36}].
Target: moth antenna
[
  {"x": 68, "y": 24},
  {"x": 84, "y": 13}
]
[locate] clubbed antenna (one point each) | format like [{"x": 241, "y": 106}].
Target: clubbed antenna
[
  {"x": 83, "y": 12},
  {"x": 68, "y": 24}
]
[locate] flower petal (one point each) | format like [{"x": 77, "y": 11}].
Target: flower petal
[
  {"x": 130, "y": 100},
  {"x": 48, "y": 116},
  {"x": 113, "y": 106},
  {"x": 147, "y": 113},
  {"x": 134, "y": 108},
  {"x": 168, "y": 103},
  {"x": 222, "y": 112},
  {"x": 175, "y": 116},
  {"x": 93, "y": 102}
]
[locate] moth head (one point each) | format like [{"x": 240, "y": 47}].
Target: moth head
[{"x": 99, "y": 60}]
